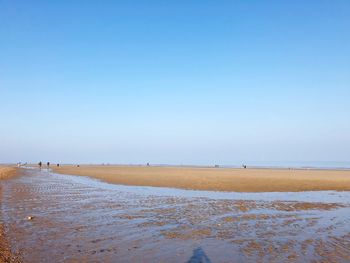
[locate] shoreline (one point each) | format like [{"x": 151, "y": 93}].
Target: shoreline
[
  {"x": 216, "y": 179},
  {"x": 190, "y": 166}
]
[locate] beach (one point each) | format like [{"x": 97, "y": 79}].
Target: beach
[
  {"x": 5, "y": 251},
  {"x": 216, "y": 179},
  {"x": 50, "y": 217},
  {"x": 175, "y": 131}
]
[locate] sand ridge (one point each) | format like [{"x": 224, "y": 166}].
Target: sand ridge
[
  {"x": 216, "y": 179},
  {"x": 7, "y": 172}
]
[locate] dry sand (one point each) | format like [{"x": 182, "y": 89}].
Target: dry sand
[
  {"x": 7, "y": 172},
  {"x": 217, "y": 179}
]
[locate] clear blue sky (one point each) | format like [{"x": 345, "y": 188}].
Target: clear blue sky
[{"x": 181, "y": 82}]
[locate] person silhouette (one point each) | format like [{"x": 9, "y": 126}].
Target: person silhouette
[{"x": 40, "y": 164}]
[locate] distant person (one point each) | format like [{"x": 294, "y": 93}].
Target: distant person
[
  {"x": 48, "y": 165},
  {"x": 58, "y": 165},
  {"x": 40, "y": 164}
]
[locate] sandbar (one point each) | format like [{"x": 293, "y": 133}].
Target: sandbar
[{"x": 216, "y": 179}]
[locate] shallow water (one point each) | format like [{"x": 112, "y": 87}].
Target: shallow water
[{"x": 79, "y": 218}]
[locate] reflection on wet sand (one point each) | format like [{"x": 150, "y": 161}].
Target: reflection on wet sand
[{"x": 77, "y": 218}]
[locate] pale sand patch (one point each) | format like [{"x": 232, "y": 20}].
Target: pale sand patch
[
  {"x": 217, "y": 179},
  {"x": 7, "y": 172}
]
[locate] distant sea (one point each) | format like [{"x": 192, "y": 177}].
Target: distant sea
[
  {"x": 324, "y": 165},
  {"x": 296, "y": 165}
]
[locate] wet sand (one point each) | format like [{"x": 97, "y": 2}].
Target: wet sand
[
  {"x": 217, "y": 179},
  {"x": 5, "y": 251},
  {"x": 76, "y": 218}
]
